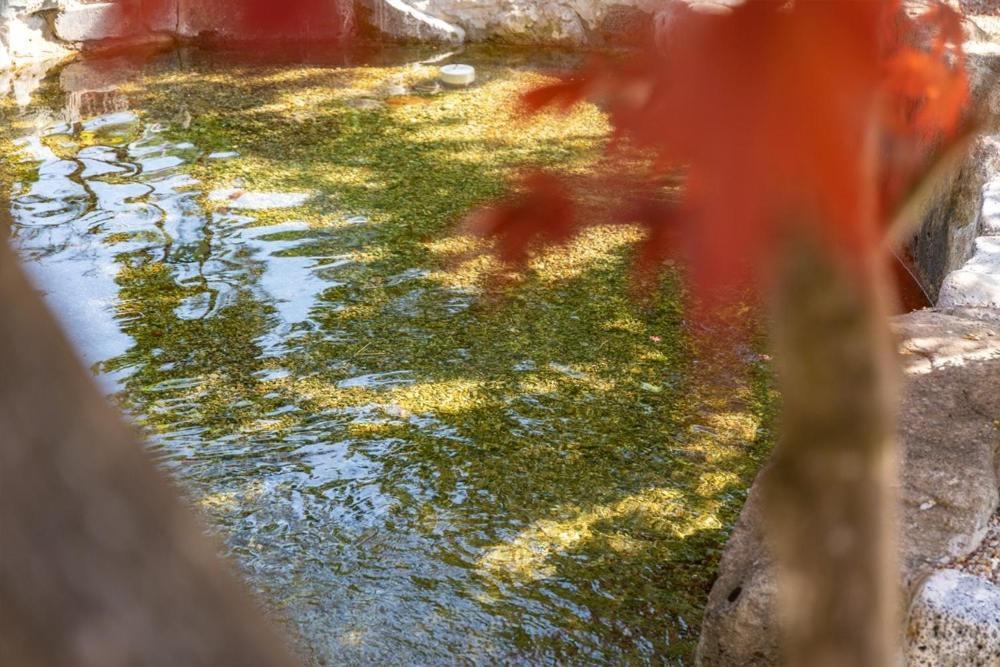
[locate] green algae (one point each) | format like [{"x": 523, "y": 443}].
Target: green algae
[{"x": 544, "y": 476}]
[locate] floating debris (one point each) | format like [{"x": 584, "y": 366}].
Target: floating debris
[{"x": 458, "y": 75}]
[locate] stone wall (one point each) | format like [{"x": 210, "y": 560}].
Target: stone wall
[
  {"x": 33, "y": 30},
  {"x": 26, "y": 32},
  {"x": 537, "y": 21},
  {"x": 952, "y": 220}
]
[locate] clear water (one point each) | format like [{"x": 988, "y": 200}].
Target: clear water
[{"x": 401, "y": 483}]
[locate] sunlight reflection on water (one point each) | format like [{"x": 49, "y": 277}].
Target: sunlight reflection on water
[{"x": 321, "y": 409}]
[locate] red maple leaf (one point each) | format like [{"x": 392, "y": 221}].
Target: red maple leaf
[
  {"x": 780, "y": 115},
  {"x": 543, "y": 214}
]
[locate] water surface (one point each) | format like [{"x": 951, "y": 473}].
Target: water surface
[{"x": 258, "y": 260}]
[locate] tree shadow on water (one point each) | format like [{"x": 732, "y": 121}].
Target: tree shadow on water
[{"x": 411, "y": 471}]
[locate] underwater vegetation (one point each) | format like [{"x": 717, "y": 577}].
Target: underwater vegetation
[{"x": 410, "y": 462}]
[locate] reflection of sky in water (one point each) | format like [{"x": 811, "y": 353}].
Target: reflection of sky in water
[
  {"x": 296, "y": 500},
  {"x": 79, "y": 222},
  {"x": 366, "y": 510}
]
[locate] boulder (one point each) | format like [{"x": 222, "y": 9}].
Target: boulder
[
  {"x": 976, "y": 282},
  {"x": 949, "y": 474},
  {"x": 100, "y": 20},
  {"x": 950, "y": 441},
  {"x": 740, "y": 626},
  {"x": 574, "y": 22},
  {"x": 26, "y": 37},
  {"x": 402, "y": 20},
  {"x": 954, "y": 622}
]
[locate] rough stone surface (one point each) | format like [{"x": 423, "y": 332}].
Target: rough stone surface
[
  {"x": 413, "y": 20},
  {"x": 541, "y": 21},
  {"x": 977, "y": 281},
  {"x": 99, "y": 20},
  {"x": 950, "y": 442},
  {"x": 952, "y": 222},
  {"x": 985, "y": 561},
  {"x": 949, "y": 480},
  {"x": 739, "y": 626},
  {"x": 25, "y": 34},
  {"x": 954, "y": 622},
  {"x": 569, "y": 21},
  {"x": 451, "y": 21}
]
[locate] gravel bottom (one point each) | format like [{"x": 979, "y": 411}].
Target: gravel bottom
[{"x": 985, "y": 561}]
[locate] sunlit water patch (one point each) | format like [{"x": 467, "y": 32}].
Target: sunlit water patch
[{"x": 408, "y": 472}]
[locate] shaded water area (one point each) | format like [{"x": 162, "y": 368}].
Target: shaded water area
[{"x": 259, "y": 261}]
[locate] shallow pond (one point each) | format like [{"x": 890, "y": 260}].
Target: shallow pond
[{"x": 260, "y": 262}]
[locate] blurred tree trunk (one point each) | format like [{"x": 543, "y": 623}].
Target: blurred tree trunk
[
  {"x": 831, "y": 495},
  {"x": 100, "y": 564}
]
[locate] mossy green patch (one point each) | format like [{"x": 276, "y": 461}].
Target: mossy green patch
[{"x": 423, "y": 468}]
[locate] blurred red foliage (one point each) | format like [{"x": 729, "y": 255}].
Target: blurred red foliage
[
  {"x": 817, "y": 114},
  {"x": 244, "y": 19}
]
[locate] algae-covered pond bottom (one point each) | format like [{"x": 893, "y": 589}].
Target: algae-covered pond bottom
[{"x": 260, "y": 262}]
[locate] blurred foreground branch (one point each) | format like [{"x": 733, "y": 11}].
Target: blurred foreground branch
[
  {"x": 830, "y": 495},
  {"x": 100, "y": 564}
]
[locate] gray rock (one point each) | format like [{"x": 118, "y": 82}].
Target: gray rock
[
  {"x": 108, "y": 20},
  {"x": 26, "y": 38},
  {"x": 976, "y": 282},
  {"x": 92, "y": 21},
  {"x": 951, "y": 220},
  {"x": 949, "y": 480},
  {"x": 991, "y": 207},
  {"x": 449, "y": 21},
  {"x": 402, "y": 19},
  {"x": 954, "y": 622},
  {"x": 950, "y": 442},
  {"x": 739, "y": 626},
  {"x": 32, "y": 6},
  {"x": 524, "y": 21}
]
